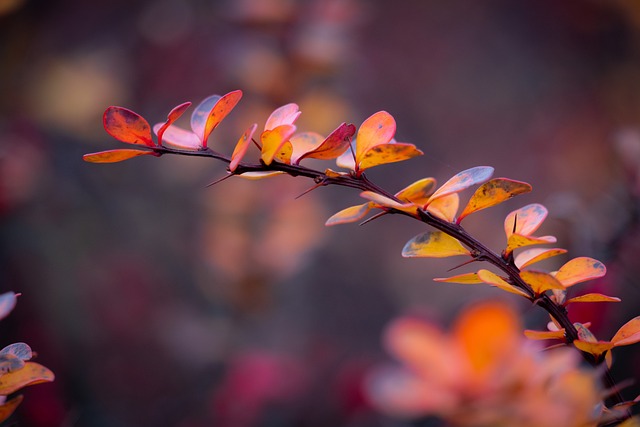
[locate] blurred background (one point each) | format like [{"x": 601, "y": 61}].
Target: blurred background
[{"x": 160, "y": 302}]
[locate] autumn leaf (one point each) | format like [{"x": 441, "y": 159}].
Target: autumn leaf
[
  {"x": 378, "y": 129},
  {"x": 31, "y": 373},
  {"x": 272, "y": 140},
  {"x": 462, "y": 181},
  {"x": 434, "y": 244},
  {"x": 7, "y": 303},
  {"x": 19, "y": 349},
  {"x": 285, "y": 115},
  {"x": 9, "y": 407},
  {"x": 173, "y": 115},
  {"x": 445, "y": 207},
  {"x": 386, "y": 202},
  {"x": 463, "y": 279},
  {"x": 593, "y": 297},
  {"x": 418, "y": 192},
  {"x": 493, "y": 279},
  {"x": 531, "y": 256},
  {"x": 220, "y": 110},
  {"x": 540, "y": 281},
  {"x": 492, "y": 193},
  {"x": 334, "y": 145},
  {"x": 350, "y": 214},
  {"x": 242, "y": 146},
  {"x": 127, "y": 126},
  {"x": 387, "y": 153},
  {"x": 114, "y": 156},
  {"x": 629, "y": 333},
  {"x": 544, "y": 335},
  {"x": 526, "y": 220},
  {"x": 579, "y": 270}
]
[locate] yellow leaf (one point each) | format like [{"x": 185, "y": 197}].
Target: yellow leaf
[
  {"x": 114, "y": 156},
  {"x": 419, "y": 192},
  {"x": 539, "y": 281},
  {"x": 435, "y": 244},
  {"x": 259, "y": 175},
  {"x": 387, "y": 153},
  {"x": 493, "y": 279},
  {"x": 463, "y": 180},
  {"x": 445, "y": 207},
  {"x": 242, "y": 146},
  {"x": 519, "y": 241},
  {"x": 273, "y": 140},
  {"x": 593, "y": 298},
  {"x": 492, "y": 193},
  {"x": 463, "y": 279},
  {"x": 9, "y": 407},
  {"x": 629, "y": 333},
  {"x": 596, "y": 348},
  {"x": 378, "y": 129},
  {"x": 533, "y": 255},
  {"x": 386, "y": 202},
  {"x": 579, "y": 270},
  {"x": 284, "y": 153},
  {"x": 527, "y": 220},
  {"x": 544, "y": 335},
  {"x": 31, "y": 373},
  {"x": 350, "y": 214}
]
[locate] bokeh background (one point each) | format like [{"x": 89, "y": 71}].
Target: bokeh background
[{"x": 160, "y": 302}]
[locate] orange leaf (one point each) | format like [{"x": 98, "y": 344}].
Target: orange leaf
[
  {"x": 592, "y": 298},
  {"x": 445, "y": 207},
  {"x": 242, "y": 146},
  {"x": 579, "y": 270},
  {"x": 173, "y": 115},
  {"x": 519, "y": 241},
  {"x": 463, "y": 279},
  {"x": 387, "y": 153},
  {"x": 114, "y": 156},
  {"x": 493, "y": 279},
  {"x": 284, "y": 153},
  {"x": 629, "y": 333},
  {"x": 526, "y": 220},
  {"x": 127, "y": 126},
  {"x": 350, "y": 214},
  {"x": 218, "y": 112},
  {"x": 273, "y": 140},
  {"x": 7, "y": 303},
  {"x": 434, "y": 244},
  {"x": 285, "y": 115},
  {"x": 531, "y": 256},
  {"x": 419, "y": 192},
  {"x": 32, "y": 373},
  {"x": 334, "y": 145},
  {"x": 492, "y": 193},
  {"x": 378, "y": 129},
  {"x": 387, "y": 202},
  {"x": 539, "y": 281},
  {"x": 9, "y": 407},
  {"x": 463, "y": 180},
  {"x": 302, "y": 143},
  {"x": 544, "y": 335}
]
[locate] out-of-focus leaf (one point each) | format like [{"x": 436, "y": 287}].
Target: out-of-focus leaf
[
  {"x": 19, "y": 349},
  {"x": 579, "y": 270},
  {"x": 346, "y": 159},
  {"x": 7, "y": 303},
  {"x": 285, "y": 115},
  {"x": 9, "y": 407},
  {"x": 387, "y": 202},
  {"x": 533, "y": 255},
  {"x": 302, "y": 143},
  {"x": 492, "y": 193},
  {"x": 242, "y": 146},
  {"x": 592, "y": 298},
  {"x": 544, "y": 335},
  {"x": 527, "y": 220},
  {"x": 350, "y": 214},
  {"x": 9, "y": 363},
  {"x": 334, "y": 145},
  {"x": 127, "y": 126},
  {"x": 519, "y": 241},
  {"x": 419, "y": 192},
  {"x": 387, "y": 153},
  {"x": 173, "y": 115},
  {"x": 463, "y": 279},
  {"x": 434, "y": 244},
  {"x": 493, "y": 279},
  {"x": 220, "y": 110},
  {"x": 584, "y": 333},
  {"x": 273, "y": 139},
  {"x": 445, "y": 207},
  {"x": 31, "y": 373},
  {"x": 629, "y": 333},
  {"x": 114, "y": 156},
  {"x": 463, "y": 180},
  {"x": 540, "y": 281},
  {"x": 378, "y": 129}
]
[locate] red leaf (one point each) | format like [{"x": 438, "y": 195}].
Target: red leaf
[
  {"x": 114, "y": 156},
  {"x": 127, "y": 126}
]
